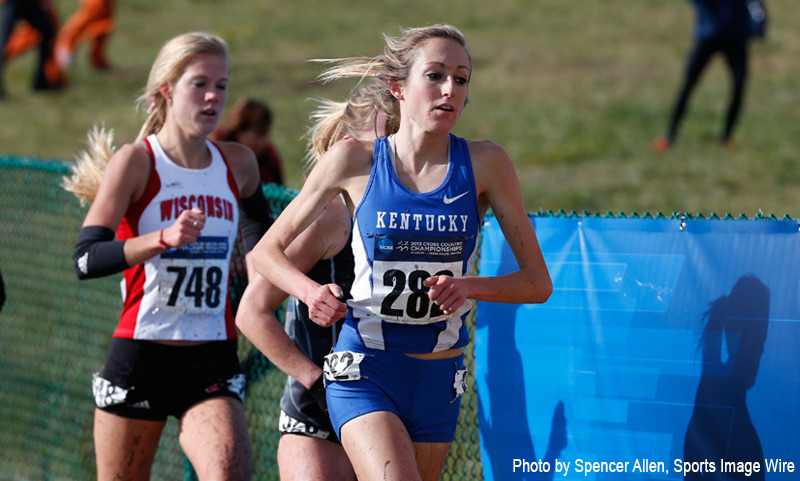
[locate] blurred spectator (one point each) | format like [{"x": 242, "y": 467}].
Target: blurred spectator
[
  {"x": 93, "y": 21},
  {"x": 39, "y": 30},
  {"x": 722, "y": 26},
  {"x": 25, "y": 37},
  {"x": 249, "y": 122}
]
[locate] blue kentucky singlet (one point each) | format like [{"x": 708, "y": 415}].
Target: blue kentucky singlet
[{"x": 400, "y": 238}]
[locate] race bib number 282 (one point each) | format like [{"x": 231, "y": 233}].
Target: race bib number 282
[{"x": 400, "y": 267}]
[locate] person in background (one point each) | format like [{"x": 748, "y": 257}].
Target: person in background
[
  {"x": 308, "y": 446},
  {"x": 417, "y": 199},
  {"x": 722, "y": 27},
  {"x": 249, "y": 122},
  {"x": 171, "y": 196},
  {"x": 35, "y": 13},
  {"x": 92, "y": 21},
  {"x": 25, "y": 37}
]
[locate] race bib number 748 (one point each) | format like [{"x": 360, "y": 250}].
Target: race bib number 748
[{"x": 193, "y": 277}]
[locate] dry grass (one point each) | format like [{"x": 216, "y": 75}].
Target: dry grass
[{"x": 575, "y": 91}]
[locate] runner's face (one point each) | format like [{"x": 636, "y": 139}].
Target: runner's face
[
  {"x": 199, "y": 94},
  {"x": 435, "y": 92}
]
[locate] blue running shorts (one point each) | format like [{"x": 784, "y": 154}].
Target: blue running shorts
[{"x": 424, "y": 394}]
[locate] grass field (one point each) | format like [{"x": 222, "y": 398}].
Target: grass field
[{"x": 575, "y": 90}]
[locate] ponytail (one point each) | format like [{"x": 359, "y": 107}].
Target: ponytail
[{"x": 87, "y": 172}]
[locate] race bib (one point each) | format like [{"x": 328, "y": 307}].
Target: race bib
[
  {"x": 401, "y": 265},
  {"x": 193, "y": 277},
  {"x": 460, "y": 382},
  {"x": 343, "y": 366}
]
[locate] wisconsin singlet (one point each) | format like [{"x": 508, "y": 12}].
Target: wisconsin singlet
[
  {"x": 181, "y": 294},
  {"x": 400, "y": 238}
]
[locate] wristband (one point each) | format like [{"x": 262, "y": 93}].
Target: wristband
[{"x": 161, "y": 240}]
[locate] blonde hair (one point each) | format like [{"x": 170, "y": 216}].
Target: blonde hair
[
  {"x": 169, "y": 65},
  {"x": 167, "y": 68},
  {"x": 394, "y": 65},
  {"x": 87, "y": 171},
  {"x": 334, "y": 120}
]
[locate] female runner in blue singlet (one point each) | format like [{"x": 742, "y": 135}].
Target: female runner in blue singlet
[
  {"x": 417, "y": 199},
  {"x": 308, "y": 447}
]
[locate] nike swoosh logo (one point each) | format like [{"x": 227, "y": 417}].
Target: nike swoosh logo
[{"x": 450, "y": 200}]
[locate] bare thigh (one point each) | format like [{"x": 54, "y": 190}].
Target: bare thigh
[
  {"x": 214, "y": 436},
  {"x": 124, "y": 447},
  {"x": 306, "y": 458},
  {"x": 380, "y": 448}
]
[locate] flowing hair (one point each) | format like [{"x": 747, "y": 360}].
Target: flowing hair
[
  {"x": 87, "y": 171},
  {"x": 333, "y": 120},
  {"x": 390, "y": 68}
]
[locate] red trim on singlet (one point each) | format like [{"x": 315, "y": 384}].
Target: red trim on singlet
[
  {"x": 150, "y": 191},
  {"x": 134, "y": 276}
]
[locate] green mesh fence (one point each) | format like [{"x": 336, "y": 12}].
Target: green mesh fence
[{"x": 55, "y": 330}]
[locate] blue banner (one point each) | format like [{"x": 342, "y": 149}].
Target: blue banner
[{"x": 669, "y": 349}]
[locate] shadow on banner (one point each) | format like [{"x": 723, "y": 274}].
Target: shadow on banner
[{"x": 668, "y": 349}]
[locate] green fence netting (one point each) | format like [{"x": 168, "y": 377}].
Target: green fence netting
[{"x": 55, "y": 330}]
